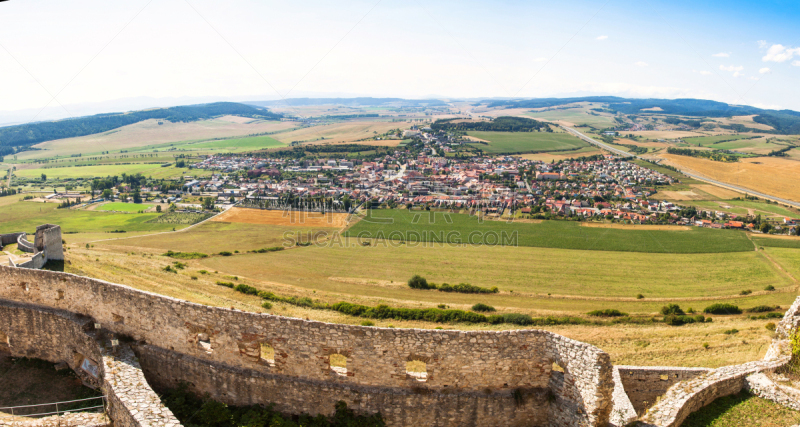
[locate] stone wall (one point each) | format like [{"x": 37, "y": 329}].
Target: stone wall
[
  {"x": 644, "y": 384},
  {"x": 24, "y": 245},
  {"x": 48, "y": 241},
  {"x": 462, "y": 363},
  {"x": 8, "y": 239}
]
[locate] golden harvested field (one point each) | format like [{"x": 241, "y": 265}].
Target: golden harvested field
[
  {"x": 643, "y": 143},
  {"x": 681, "y": 195},
  {"x": 770, "y": 175},
  {"x": 283, "y": 218},
  {"x": 700, "y": 192},
  {"x": 634, "y": 226},
  {"x": 149, "y": 132},
  {"x": 563, "y": 155},
  {"x": 340, "y": 132},
  {"x": 719, "y": 192}
]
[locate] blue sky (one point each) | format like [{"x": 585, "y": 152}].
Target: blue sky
[{"x": 69, "y": 58}]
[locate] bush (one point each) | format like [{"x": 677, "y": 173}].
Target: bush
[
  {"x": 678, "y": 320},
  {"x": 722, "y": 308},
  {"x": 185, "y": 255},
  {"x": 770, "y": 326},
  {"x": 518, "y": 319},
  {"x": 226, "y": 284},
  {"x": 746, "y": 292},
  {"x": 225, "y": 253},
  {"x": 731, "y": 331},
  {"x": 267, "y": 305},
  {"x": 639, "y": 296},
  {"x": 246, "y": 289},
  {"x": 769, "y": 288},
  {"x": 609, "y": 312},
  {"x": 671, "y": 309},
  {"x": 264, "y": 250},
  {"x": 482, "y": 308},
  {"x": 169, "y": 269},
  {"x": 466, "y": 288},
  {"x": 419, "y": 282},
  {"x": 762, "y": 309},
  {"x": 194, "y": 277},
  {"x": 368, "y": 323}
]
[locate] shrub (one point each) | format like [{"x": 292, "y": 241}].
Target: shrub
[
  {"x": 482, "y": 308},
  {"x": 194, "y": 277},
  {"x": 246, "y": 289},
  {"x": 731, "y": 331},
  {"x": 769, "y": 288},
  {"x": 264, "y": 250},
  {"x": 202, "y": 271},
  {"x": 442, "y": 306},
  {"x": 705, "y": 345},
  {"x": 266, "y": 305},
  {"x": 185, "y": 255},
  {"x": 770, "y": 326},
  {"x": 226, "y": 284},
  {"x": 179, "y": 265},
  {"x": 466, "y": 288},
  {"x": 639, "y": 296},
  {"x": 518, "y": 319},
  {"x": 609, "y": 312},
  {"x": 225, "y": 253},
  {"x": 746, "y": 292},
  {"x": 368, "y": 323},
  {"x": 419, "y": 282},
  {"x": 671, "y": 309},
  {"x": 678, "y": 320},
  {"x": 169, "y": 269},
  {"x": 722, "y": 308},
  {"x": 762, "y": 309}
]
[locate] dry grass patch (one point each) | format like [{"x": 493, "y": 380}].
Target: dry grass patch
[
  {"x": 340, "y": 132},
  {"x": 771, "y": 175},
  {"x": 283, "y": 218}
]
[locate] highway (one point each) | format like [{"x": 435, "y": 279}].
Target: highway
[{"x": 683, "y": 171}]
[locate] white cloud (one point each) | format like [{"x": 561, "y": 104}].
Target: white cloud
[
  {"x": 762, "y": 44},
  {"x": 641, "y": 64},
  {"x": 601, "y": 37},
  {"x": 780, "y": 53},
  {"x": 706, "y": 73},
  {"x": 753, "y": 78},
  {"x": 540, "y": 59},
  {"x": 732, "y": 68},
  {"x": 763, "y": 70},
  {"x": 796, "y": 63},
  {"x": 737, "y": 74},
  {"x": 722, "y": 55}
]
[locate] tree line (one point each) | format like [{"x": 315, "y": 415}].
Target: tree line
[{"x": 500, "y": 124}]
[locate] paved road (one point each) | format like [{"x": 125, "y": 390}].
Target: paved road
[{"x": 685, "y": 172}]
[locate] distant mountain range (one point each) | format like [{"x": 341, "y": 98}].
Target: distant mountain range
[
  {"x": 784, "y": 121},
  {"x": 350, "y": 102}
]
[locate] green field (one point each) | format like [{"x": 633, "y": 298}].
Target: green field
[
  {"x": 25, "y": 216},
  {"x": 148, "y": 170},
  {"x": 742, "y": 206},
  {"x": 226, "y": 145},
  {"x": 124, "y": 207},
  {"x": 526, "y": 142},
  {"x": 714, "y": 141},
  {"x": 777, "y": 242},
  {"x": 461, "y": 228},
  {"x": 525, "y": 276}
]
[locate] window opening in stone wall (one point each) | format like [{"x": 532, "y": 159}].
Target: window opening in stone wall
[
  {"x": 417, "y": 370},
  {"x": 117, "y": 318},
  {"x": 204, "y": 341},
  {"x": 338, "y": 363},
  {"x": 60, "y": 295},
  {"x": 557, "y": 367},
  {"x": 267, "y": 354}
]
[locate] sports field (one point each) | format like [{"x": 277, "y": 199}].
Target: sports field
[
  {"x": 526, "y": 142},
  {"x": 124, "y": 207},
  {"x": 464, "y": 229}
]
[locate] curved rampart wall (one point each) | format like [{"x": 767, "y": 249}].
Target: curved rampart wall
[
  {"x": 459, "y": 363},
  {"x": 7, "y": 239},
  {"x": 24, "y": 245}
]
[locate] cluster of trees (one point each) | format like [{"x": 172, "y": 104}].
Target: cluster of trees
[
  {"x": 780, "y": 153},
  {"x": 32, "y": 133},
  {"x": 500, "y": 124},
  {"x": 716, "y": 155},
  {"x": 419, "y": 282},
  {"x": 7, "y": 192}
]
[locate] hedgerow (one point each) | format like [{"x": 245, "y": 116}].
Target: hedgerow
[{"x": 722, "y": 308}]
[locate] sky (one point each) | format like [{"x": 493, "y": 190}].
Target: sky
[{"x": 65, "y": 59}]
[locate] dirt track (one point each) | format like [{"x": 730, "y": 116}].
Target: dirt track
[{"x": 285, "y": 218}]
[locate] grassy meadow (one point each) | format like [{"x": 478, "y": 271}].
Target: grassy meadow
[
  {"x": 146, "y": 169},
  {"x": 424, "y": 226},
  {"x": 124, "y": 207},
  {"x": 527, "y": 142}
]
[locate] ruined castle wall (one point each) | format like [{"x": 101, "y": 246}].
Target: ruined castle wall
[
  {"x": 399, "y": 406},
  {"x": 23, "y": 244},
  {"x": 48, "y": 240},
  {"x": 644, "y": 384},
  {"x": 49, "y": 334},
  {"x": 8, "y": 239},
  {"x": 457, "y": 361}
]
